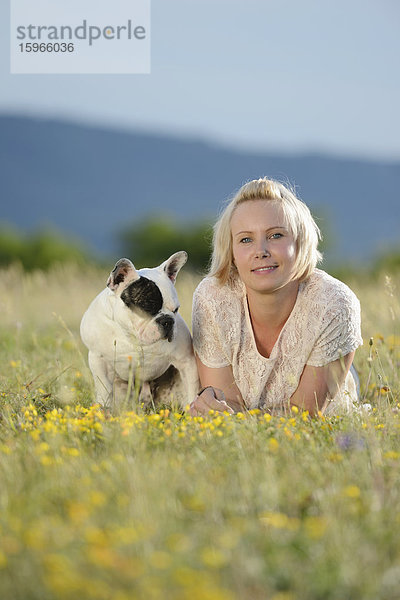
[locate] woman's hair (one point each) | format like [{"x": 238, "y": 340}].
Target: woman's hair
[{"x": 298, "y": 220}]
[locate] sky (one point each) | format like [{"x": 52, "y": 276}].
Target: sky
[{"x": 277, "y": 75}]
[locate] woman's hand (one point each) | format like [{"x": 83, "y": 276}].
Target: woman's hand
[
  {"x": 209, "y": 398},
  {"x": 220, "y": 391}
]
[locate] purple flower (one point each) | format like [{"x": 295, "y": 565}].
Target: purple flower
[{"x": 349, "y": 441}]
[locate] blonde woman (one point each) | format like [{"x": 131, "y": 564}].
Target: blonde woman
[{"x": 270, "y": 330}]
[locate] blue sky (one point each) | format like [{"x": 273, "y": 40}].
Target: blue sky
[{"x": 277, "y": 75}]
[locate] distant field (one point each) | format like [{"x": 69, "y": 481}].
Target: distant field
[{"x": 164, "y": 506}]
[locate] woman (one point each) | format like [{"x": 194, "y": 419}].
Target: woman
[{"x": 271, "y": 331}]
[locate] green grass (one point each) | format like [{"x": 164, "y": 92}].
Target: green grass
[{"x": 172, "y": 507}]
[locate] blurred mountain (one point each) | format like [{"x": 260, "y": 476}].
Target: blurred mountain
[{"x": 92, "y": 182}]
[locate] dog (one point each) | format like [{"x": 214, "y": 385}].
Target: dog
[{"x": 136, "y": 339}]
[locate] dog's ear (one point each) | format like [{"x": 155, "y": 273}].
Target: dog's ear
[
  {"x": 122, "y": 275},
  {"x": 173, "y": 265}
]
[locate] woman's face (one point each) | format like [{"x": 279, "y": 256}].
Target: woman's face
[{"x": 264, "y": 250}]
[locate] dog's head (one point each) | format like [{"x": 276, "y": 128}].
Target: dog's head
[{"x": 148, "y": 299}]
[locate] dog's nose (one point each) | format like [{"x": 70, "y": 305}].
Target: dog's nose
[{"x": 166, "y": 324}]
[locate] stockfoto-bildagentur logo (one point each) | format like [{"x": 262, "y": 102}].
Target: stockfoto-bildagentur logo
[{"x": 55, "y": 37}]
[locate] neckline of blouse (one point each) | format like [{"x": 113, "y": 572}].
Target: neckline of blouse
[{"x": 274, "y": 350}]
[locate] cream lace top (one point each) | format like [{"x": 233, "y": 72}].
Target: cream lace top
[{"x": 323, "y": 326}]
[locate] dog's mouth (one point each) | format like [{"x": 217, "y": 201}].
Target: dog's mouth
[{"x": 166, "y": 325}]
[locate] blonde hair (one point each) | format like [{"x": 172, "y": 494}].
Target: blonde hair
[{"x": 298, "y": 220}]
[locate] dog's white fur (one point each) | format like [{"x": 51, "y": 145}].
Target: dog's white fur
[{"x": 124, "y": 340}]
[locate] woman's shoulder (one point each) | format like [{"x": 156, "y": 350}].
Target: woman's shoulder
[
  {"x": 211, "y": 288},
  {"x": 327, "y": 291},
  {"x": 217, "y": 314}
]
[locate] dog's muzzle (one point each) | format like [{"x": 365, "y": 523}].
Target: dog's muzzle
[{"x": 166, "y": 324}]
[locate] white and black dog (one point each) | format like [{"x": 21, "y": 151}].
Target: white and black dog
[{"x": 132, "y": 330}]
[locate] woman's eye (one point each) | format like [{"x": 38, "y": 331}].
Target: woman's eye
[
  {"x": 245, "y": 240},
  {"x": 276, "y": 236}
]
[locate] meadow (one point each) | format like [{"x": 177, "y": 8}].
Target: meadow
[{"x": 165, "y": 506}]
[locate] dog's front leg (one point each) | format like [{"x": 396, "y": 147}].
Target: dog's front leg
[
  {"x": 103, "y": 386},
  {"x": 185, "y": 362},
  {"x": 190, "y": 379}
]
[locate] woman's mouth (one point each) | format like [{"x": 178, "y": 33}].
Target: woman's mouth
[{"x": 264, "y": 269}]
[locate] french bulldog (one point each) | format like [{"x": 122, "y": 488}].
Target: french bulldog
[{"x": 136, "y": 339}]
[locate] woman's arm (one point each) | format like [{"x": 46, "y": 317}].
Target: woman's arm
[
  {"x": 318, "y": 384},
  {"x": 223, "y": 393}
]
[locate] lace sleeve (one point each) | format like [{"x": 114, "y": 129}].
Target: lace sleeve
[
  {"x": 208, "y": 332},
  {"x": 341, "y": 332}
]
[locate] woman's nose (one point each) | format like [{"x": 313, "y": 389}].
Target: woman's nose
[{"x": 262, "y": 249}]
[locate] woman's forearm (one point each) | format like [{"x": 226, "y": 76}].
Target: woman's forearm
[{"x": 312, "y": 406}]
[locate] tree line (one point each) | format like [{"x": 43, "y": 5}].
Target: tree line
[{"x": 147, "y": 243}]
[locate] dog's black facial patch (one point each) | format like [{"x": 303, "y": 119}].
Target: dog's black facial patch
[{"x": 143, "y": 294}]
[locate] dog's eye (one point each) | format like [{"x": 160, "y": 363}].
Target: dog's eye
[{"x": 176, "y": 310}]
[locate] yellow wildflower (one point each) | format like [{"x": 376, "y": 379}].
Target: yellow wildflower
[
  {"x": 392, "y": 455},
  {"x": 352, "y": 491},
  {"x": 279, "y": 520},
  {"x": 160, "y": 560},
  {"x": 273, "y": 444},
  {"x": 213, "y": 557},
  {"x": 315, "y": 527}
]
